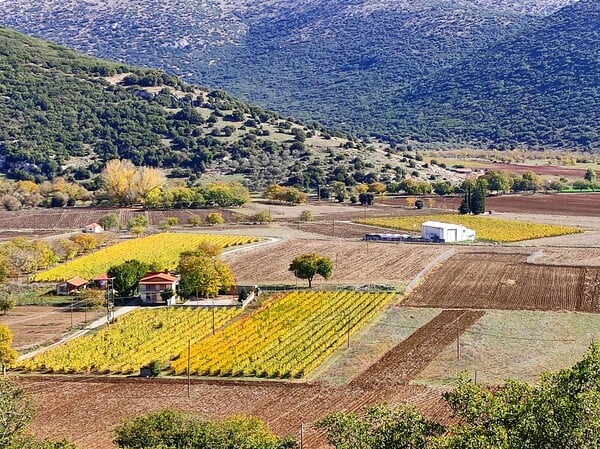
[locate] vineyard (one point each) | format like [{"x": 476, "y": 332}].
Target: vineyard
[
  {"x": 289, "y": 338},
  {"x": 488, "y": 229},
  {"x": 160, "y": 249},
  {"x": 134, "y": 341},
  {"x": 286, "y": 338},
  {"x": 506, "y": 281}
]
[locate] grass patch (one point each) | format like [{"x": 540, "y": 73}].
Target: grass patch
[{"x": 516, "y": 345}]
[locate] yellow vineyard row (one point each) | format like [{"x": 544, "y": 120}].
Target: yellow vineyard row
[
  {"x": 133, "y": 341},
  {"x": 160, "y": 249},
  {"x": 490, "y": 229},
  {"x": 288, "y": 339}
]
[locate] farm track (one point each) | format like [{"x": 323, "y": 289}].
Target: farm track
[
  {"x": 507, "y": 282},
  {"x": 407, "y": 359}
]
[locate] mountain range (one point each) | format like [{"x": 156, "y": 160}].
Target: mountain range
[{"x": 437, "y": 72}]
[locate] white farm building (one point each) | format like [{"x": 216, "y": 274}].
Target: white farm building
[{"x": 447, "y": 232}]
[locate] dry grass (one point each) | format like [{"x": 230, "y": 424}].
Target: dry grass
[{"x": 517, "y": 345}]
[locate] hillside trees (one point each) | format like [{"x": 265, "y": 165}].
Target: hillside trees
[{"x": 307, "y": 266}]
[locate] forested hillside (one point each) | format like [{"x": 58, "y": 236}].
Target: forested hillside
[
  {"x": 65, "y": 114},
  {"x": 427, "y": 70},
  {"x": 539, "y": 88}
]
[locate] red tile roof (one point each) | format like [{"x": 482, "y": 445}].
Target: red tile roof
[
  {"x": 76, "y": 281},
  {"x": 101, "y": 277},
  {"x": 158, "y": 278}
]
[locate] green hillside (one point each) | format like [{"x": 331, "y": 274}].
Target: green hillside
[
  {"x": 540, "y": 88},
  {"x": 65, "y": 114}
]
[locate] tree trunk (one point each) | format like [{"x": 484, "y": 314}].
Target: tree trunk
[{"x": 310, "y": 282}]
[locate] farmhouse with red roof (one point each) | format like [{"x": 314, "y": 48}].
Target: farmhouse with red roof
[{"x": 154, "y": 283}]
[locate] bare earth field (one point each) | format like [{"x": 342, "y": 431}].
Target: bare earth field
[
  {"x": 403, "y": 362},
  {"x": 566, "y": 204},
  {"x": 506, "y": 281},
  {"x": 41, "y": 325},
  {"x": 575, "y": 257},
  {"x": 354, "y": 262},
  {"x": 85, "y": 410}
]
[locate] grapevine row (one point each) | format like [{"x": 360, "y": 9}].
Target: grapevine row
[{"x": 287, "y": 339}]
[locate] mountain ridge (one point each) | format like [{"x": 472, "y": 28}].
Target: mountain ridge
[{"x": 352, "y": 65}]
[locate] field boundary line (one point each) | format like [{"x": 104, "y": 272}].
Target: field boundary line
[{"x": 439, "y": 259}]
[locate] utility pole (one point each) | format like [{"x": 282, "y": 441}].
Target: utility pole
[
  {"x": 457, "y": 344},
  {"x": 188, "y": 367},
  {"x": 301, "y": 435}
]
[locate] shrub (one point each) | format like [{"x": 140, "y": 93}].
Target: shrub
[
  {"x": 215, "y": 218},
  {"x": 262, "y": 217},
  {"x": 194, "y": 220},
  {"x": 154, "y": 367},
  {"x": 306, "y": 215}
]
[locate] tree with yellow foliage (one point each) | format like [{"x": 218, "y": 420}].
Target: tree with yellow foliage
[
  {"x": 8, "y": 355},
  {"x": 146, "y": 182},
  {"x": 118, "y": 176}
]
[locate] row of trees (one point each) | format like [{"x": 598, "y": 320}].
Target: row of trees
[{"x": 127, "y": 184}]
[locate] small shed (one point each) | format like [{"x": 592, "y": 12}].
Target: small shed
[
  {"x": 73, "y": 284},
  {"x": 446, "y": 232},
  {"x": 93, "y": 228}
]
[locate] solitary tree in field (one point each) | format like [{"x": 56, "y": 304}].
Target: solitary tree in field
[
  {"x": 306, "y": 266},
  {"x": 590, "y": 175}
]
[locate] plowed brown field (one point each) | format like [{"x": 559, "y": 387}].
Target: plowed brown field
[
  {"x": 85, "y": 410},
  {"x": 402, "y": 363},
  {"x": 568, "y": 204},
  {"x": 506, "y": 281},
  {"x": 353, "y": 262}
]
